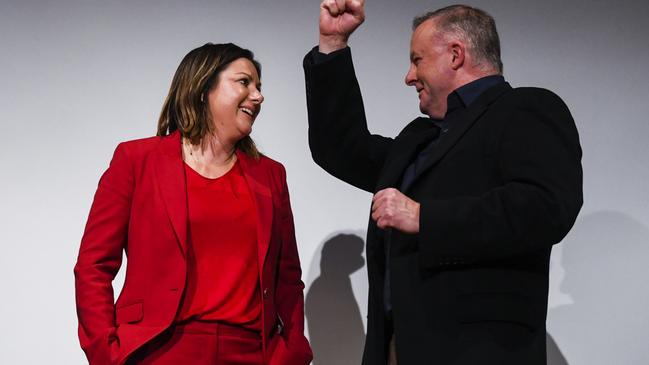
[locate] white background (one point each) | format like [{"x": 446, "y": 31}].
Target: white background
[{"x": 77, "y": 77}]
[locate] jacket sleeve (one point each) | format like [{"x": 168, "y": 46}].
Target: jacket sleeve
[
  {"x": 338, "y": 136},
  {"x": 100, "y": 257},
  {"x": 534, "y": 207},
  {"x": 293, "y": 348}
]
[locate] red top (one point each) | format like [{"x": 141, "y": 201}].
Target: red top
[{"x": 222, "y": 270}]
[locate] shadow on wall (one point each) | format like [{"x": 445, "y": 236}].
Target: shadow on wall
[
  {"x": 336, "y": 330},
  {"x": 606, "y": 262},
  {"x": 555, "y": 357}
]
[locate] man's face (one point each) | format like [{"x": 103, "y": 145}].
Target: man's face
[{"x": 430, "y": 69}]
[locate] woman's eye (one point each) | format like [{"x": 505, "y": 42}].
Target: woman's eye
[{"x": 244, "y": 82}]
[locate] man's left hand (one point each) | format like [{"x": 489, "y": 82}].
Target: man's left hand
[{"x": 392, "y": 209}]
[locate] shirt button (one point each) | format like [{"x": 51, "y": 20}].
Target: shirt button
[{"x": 265, "y": 292}]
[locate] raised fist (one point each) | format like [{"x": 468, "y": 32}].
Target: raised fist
[{"x": 338, "y": 19}]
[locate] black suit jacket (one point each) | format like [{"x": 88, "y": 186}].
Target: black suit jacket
[{"x": 499, "y": 189}]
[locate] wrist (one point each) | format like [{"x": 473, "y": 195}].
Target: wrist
[
  {"x": 331, "y": 43},
  {"x": 416, "y": 210}
]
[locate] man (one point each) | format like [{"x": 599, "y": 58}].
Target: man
[{"x": 467, "y": 203}]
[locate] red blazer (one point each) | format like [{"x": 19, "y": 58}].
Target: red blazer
[{"x": 140, "y": 207}]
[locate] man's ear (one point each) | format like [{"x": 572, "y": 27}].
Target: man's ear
[{"x": 458, "y": 54}]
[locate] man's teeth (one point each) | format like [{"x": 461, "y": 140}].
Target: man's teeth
[{"x": 248, "y": 111}]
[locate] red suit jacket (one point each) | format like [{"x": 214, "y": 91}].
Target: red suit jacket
[{"x": 141, "y": 207}]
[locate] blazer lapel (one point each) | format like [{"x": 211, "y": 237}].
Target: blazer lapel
[
  {"x": 263, "y": 201},
  {"x": 171, "y": 181},
  {"x": 406, "y": 147},
  {"x": 460, "y": 123}
]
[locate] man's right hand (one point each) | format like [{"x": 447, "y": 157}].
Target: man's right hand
[{"x": 338, "y": 20}]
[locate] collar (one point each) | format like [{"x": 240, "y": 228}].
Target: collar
[{"x": 466, "y": 94}]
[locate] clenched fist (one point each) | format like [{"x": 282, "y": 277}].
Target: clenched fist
[
  {"x": 338, "y": 19},
  {"x": 392, "y": 209}
]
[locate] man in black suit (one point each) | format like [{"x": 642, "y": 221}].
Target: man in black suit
[{"x": 467, "y": 203}]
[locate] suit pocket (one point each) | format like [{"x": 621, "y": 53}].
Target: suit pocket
[
  {"x": 130, "y": 313},
  {"x": 472, "y": 308},
  {"x": 103, "y": 349}
]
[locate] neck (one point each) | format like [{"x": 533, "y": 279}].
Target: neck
[
  {"x": 214, "y": 150},
  {"x": 472, "y": 75},
  {"x": 210, "y": 157}
]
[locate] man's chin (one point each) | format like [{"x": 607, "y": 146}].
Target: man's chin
[
  {"x": 431, "y": 113},
  {"x": 425, "y": 111}
]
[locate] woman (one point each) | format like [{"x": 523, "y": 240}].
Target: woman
[{"x": 213, "y": 274}]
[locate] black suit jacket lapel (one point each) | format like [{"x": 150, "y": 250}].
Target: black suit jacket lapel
[
  {"x": 405, "y": 149},
  {"x": 459, "y": 123}
]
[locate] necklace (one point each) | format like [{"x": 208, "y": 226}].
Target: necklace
[
  {"x": 194, "y": 157},
  {"x": 188, "y": 144}
]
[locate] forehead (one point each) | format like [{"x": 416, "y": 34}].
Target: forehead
[
  {"x": 423, "y": 36},
  {"x": 242, "y": 65}
]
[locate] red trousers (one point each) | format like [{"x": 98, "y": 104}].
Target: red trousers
[{"x": 202, "y": 343}]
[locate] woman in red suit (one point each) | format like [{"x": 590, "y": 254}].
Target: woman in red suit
[{"x": 213, "y": 275}]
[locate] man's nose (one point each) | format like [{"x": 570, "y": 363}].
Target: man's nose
[{"x": 411, "y": 76}]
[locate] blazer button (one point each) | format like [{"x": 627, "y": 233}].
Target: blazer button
[{"x": 265, "y": 293}]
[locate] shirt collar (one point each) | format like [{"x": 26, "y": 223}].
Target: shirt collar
[{"x": 466, "y": 94}]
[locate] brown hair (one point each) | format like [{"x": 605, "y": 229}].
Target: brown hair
[{"x": 184, "y": 109}]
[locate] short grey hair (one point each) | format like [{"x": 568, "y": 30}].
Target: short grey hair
[{"x": 474, "y": 26}]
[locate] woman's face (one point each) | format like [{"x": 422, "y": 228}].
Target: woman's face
[{"x": 235, "y": 101}]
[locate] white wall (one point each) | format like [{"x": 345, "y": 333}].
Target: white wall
[{"x": 77, "y": 77}]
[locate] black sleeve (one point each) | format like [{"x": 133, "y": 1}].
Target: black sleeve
[{"x": 338, "y": 136}]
